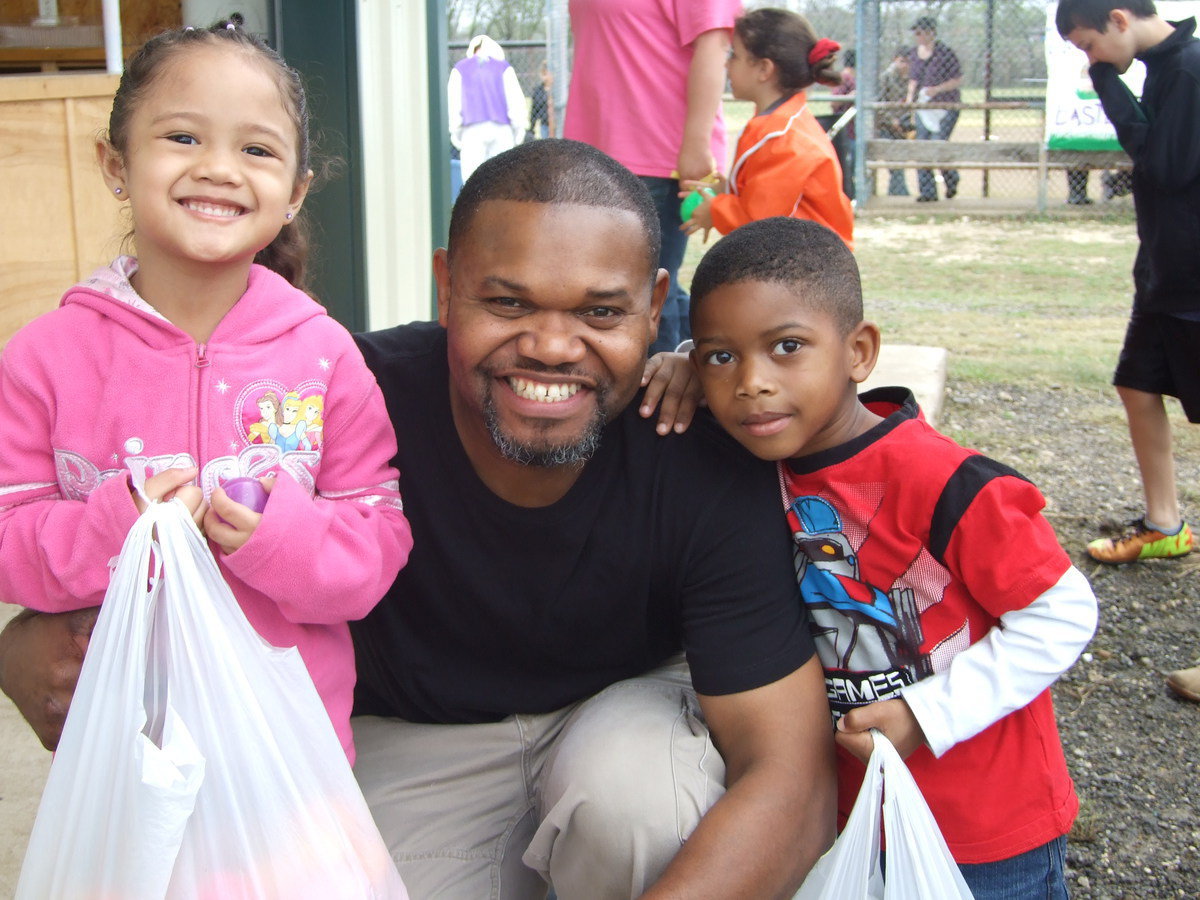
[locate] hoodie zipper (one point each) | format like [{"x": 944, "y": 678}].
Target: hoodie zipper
[{"x": 202, "y": 363}]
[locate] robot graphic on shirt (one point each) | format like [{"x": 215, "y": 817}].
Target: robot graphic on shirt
[{"x": 869, "y": 641}]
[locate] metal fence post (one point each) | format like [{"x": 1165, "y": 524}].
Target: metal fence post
[
  {"x": 1043, "y": 174},
  {"x": 866, "y": 38}
]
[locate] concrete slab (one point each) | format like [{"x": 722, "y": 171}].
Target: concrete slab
[{"x": 920, "y": 369}]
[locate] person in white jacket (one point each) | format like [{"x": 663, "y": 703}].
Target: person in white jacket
[{"x": 487, "y": 108}]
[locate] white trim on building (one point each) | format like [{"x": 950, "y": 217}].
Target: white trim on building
[{"x": 392, "y": 71}]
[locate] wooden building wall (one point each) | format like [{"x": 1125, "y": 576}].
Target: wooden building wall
[
  {"x": 140, "y": 19},
  {"x": 60, "y": 222}
]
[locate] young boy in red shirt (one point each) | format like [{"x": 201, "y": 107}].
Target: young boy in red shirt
[{"x": 942, "y": 605}]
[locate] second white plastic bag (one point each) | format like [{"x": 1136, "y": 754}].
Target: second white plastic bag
[{"x": 919, "y": 864}]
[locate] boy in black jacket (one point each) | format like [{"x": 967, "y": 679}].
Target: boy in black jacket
[{"x": 1161, "y": 133}]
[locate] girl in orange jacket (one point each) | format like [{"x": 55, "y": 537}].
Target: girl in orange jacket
[{"x": 785, "y": 163}]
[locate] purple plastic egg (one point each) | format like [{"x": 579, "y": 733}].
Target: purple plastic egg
[{"x": 246, "y": 491}]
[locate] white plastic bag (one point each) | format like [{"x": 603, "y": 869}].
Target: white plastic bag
[
  {"x": 919, "y": 864},
  {"x": 930, "y": 118},
  {"x": 197, "y": 761}
]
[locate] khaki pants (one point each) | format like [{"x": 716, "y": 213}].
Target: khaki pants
[{"x": 595, "y": 799}]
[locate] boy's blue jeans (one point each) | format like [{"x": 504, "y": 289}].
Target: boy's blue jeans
[
  {"x": 673, "y": 327},
  {"x": 1034, "y": 875}
]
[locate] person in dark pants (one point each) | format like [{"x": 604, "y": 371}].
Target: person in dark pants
[
  {"x": 541, "y": 106},
  {"x": 934, "y": 76},
  {"x": 848, "y": 86},
  {"x": 1160, "y": 132},
  {"x": 895, "y": 124},
  {"x": 1077, "y": 187}
]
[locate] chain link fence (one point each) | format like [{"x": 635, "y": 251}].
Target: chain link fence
[
  {"x": 549, "y": 45},
  {"x": 998, "y": 145}
]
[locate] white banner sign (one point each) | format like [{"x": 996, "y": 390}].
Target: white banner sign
[{"x": 1075, "y": 119}]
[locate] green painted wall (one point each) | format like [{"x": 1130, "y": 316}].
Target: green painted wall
[{"x": 317, "y": 37}]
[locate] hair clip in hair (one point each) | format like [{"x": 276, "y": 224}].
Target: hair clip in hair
[
  {"x": 229, "y": 26},
  {"x": 821, "y": 49},
  {"x": 190, "y": 28}
]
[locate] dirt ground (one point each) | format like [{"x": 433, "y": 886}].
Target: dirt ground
[{"x": 1131, "y": 744}]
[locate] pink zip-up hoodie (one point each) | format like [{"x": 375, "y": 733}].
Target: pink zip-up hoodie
[{"x": 105, "y": 384}]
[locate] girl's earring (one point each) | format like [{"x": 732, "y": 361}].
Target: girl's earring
[
  {"x": 288, "y": 216},
  {"x": 118, "y": 191}
]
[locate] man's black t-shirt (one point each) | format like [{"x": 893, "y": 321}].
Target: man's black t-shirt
[{"x": 663, "y": 543}]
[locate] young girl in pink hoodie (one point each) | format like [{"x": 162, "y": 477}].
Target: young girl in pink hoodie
[{"x": 190, "y": 365}]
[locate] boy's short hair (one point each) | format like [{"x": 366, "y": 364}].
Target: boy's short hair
[
  {"x": 1072, "y": 14},
  {"x": 557, "y": 171},
  {"x": 809, "y": 258}
]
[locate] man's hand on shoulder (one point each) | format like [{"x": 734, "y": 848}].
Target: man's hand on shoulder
[
  {"x": 40, "y": 658},
  {"x": 670, "y": 379}
]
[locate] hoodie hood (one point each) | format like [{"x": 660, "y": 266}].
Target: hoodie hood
[
  {"x": 484, "y": 47},
  {"x": 270, "y": 307}
]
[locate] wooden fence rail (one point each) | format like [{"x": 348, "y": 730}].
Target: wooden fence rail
[{"x": 988, "y": 155}]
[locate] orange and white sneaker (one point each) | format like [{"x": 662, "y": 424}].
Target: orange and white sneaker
[{"x": 1141, "y": 543}]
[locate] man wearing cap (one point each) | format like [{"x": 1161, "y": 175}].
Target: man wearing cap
[{"x": 934, "y": 76}]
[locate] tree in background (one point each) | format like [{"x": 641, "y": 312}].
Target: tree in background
[{"x": 504, "y": 20}]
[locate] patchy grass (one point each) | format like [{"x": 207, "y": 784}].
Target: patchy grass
[
  {"x": 1016, "y": 301},
  {"x": 1036, "y": 301},
  {"x": 1089, "y": 824}
]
